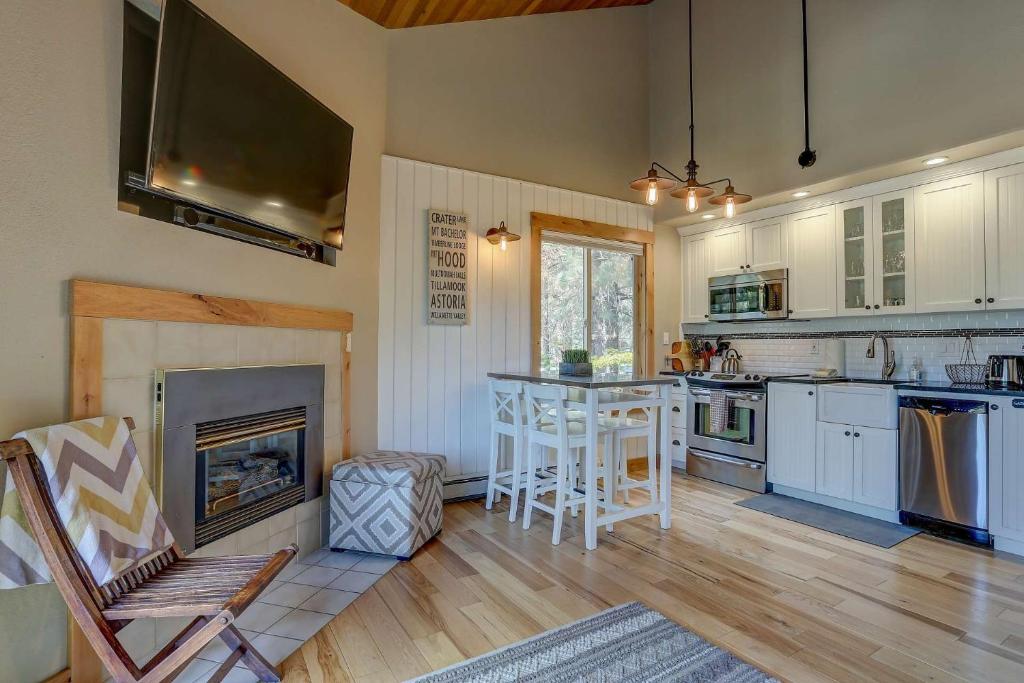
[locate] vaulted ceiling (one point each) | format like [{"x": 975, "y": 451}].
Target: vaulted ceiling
[{"x": 407, "y": 13}]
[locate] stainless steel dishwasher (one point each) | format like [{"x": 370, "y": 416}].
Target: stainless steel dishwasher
[{"x": 944, "y": 466}]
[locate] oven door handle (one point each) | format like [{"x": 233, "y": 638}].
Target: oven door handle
[
  {"x": 726, "y": 459},
  {"x": 729, "y": 394}
]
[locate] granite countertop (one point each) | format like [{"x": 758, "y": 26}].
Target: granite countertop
[
  {"x": 951, "y": 388},
  {"x": 602, "y": 381},
  {"x": 838, "y": 380}
]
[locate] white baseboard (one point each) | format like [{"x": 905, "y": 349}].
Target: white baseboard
[
  {"x": 839, "y": 503},
  {"x": 1009, "y": 545}
]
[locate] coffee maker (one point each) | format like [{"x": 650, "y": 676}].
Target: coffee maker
[{"x": 1005, "y": 371}]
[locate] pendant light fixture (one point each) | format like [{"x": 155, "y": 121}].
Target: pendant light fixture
[
  {"x": 501, "y": 236},
  {"x": 690, "y": 190},
  {"x": 808, "y": 156}
]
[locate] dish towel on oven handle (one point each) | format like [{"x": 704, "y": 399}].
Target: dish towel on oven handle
[{"x": 721, "y": 404}]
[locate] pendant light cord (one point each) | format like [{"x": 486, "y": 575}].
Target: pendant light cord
[
  {"x": 807, "y": 115},
  {"x": 690, "y": 44},
  {"x": 808, "y": 156}
]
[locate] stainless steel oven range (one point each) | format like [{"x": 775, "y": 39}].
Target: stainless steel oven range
[{"x": 730, "y": 447}]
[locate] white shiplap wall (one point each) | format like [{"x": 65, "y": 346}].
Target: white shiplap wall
[{"x": 432, "y": 379}]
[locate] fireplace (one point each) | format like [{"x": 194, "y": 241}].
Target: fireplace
[{"x": 236, "y": 445}]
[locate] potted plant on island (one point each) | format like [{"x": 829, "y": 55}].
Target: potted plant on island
[{"x": 576, "y": 363}]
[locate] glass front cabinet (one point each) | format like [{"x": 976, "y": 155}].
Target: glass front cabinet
[{"x": 875, "y": 254}]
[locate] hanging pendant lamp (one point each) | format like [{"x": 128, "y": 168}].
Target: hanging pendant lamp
[
  {"x": 690, "y": 190},
  {"x": 651, "y": 184}
]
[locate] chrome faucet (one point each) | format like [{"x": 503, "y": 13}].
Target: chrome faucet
[{"x": 888, "y": 356}]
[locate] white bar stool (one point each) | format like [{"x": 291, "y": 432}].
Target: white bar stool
[
  {"x": 629, "y": 428},
  {"x": 547, "y": 426},
  {"x": 507, "y": 419}
]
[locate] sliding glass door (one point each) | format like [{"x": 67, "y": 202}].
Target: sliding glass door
[{"x": 589, "y": 295}]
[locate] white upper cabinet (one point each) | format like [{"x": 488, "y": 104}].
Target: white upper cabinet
[
  {"x": 767, "y": 244},
  {"x": 727, "y": 251},
  {"x": 1004, "y": 237},
  {"x": 854, "y": 256},
  {"x": 949, "y": 245},
  {"x": 695, "y": 278},
  {"x": 874, "y": 254},
  {"x": 892, "y": 218},
  {"x": 812, "y": 263}
]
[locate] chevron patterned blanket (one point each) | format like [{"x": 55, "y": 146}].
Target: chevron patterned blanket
[{"x": 101, "y": 496}]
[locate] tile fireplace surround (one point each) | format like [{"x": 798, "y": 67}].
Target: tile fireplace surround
[{"x": 128, "y": 333}]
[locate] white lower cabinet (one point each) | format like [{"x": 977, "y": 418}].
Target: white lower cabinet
[
  {"x": 792, "y": 410},
  {"x": 875, "y": 467},
  {"x": 677, "y": 439},
  {"x": 814, "y": 452},
  {"x": 858, "y": 464},
  {"x": 834, "y": 461},
  {"x": 1006, "y": 472}
]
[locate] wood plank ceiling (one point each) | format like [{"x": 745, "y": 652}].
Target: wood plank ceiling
[{"x": 408, "y": 13}]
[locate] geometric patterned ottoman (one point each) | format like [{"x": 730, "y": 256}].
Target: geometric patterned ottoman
[{"x": 386, "y": 502}]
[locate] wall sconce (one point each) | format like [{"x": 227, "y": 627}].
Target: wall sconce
[{"x": 501, "y": 236}]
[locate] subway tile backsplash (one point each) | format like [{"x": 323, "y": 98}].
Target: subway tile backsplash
[{"x": 930, "y": 340}]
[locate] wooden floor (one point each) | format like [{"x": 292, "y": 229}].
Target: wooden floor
[{"x": 802, "y": 604}]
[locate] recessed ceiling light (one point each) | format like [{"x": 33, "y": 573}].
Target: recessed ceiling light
[
  {"x": 801, "y": 193},
  {"x": 935, "y": 161},
  {"x": 271, "y": 202},
  {"x": 708, "y": 216}
]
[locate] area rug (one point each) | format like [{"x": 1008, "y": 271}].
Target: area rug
[
  {"x": 624, "y": 643},
  {"x": 858, "y": 527}
]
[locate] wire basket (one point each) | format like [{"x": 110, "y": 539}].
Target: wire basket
[{"x": 968, "y": 370}]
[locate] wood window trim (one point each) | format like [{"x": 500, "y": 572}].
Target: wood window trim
[
  {"x": 93, "y": 302},
  {"x": 540, "y": 222}
]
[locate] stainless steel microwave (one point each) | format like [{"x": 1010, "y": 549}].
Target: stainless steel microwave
[{"x": 749, "y": 296}]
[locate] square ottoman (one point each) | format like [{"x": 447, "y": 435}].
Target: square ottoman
[{"x": 386, "y": 502}]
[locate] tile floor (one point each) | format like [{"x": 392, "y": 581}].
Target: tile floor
[{"x": 306, "y": 595}]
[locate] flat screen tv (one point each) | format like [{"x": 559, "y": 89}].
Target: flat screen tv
[{"x": 231, "y": 133}]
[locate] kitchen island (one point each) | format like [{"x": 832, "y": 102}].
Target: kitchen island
[{"x": 601, "y": 393}]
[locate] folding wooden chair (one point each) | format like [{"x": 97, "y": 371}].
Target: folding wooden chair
[{"x": 213, "y": 590}]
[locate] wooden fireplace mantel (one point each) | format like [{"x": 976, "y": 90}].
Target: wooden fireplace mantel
[{"x": 93, "y": 302}]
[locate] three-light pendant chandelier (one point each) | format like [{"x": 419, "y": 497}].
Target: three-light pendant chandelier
[{"x": 690, "y": 189}]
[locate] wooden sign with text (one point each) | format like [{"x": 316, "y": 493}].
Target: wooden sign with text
[{"x": 447, "y": 284}]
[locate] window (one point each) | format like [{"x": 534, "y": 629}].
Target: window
[{"x": 589, "y": 294}]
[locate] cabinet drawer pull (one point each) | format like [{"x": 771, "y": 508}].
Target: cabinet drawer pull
[
  {"x": 846, "y": 433},
  {"x": 810, "y": 393},
  {"x": 675, "y": 409},
  {"x": 877, "y": 307},
  {"x": 996, "y": 406},
  {"x": 991, "y": 300},
  {"x": 856, "y": 434},
  {"x": 977, "y": 301},
  {"x": 675, "y": 442},
  {"x": 868, "y": 307}
]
